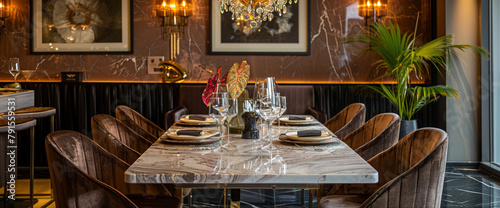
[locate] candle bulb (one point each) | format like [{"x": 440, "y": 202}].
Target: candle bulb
[
  {"x": 163, "y": 8},
  {"x": 184, "y": 8},
  {"x": 1, "y": 10}
]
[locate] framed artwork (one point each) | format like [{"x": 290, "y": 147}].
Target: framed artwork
[
  {"x": 287, "y": 34},
  {"x": 85, "y": 26}
]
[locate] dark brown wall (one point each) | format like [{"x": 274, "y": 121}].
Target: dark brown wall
[{"x": 330, "y": 60}]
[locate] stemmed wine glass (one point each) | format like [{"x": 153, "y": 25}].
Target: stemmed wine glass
[
  {"x": 221, "y": 87},
  {"x": 14, "y": 68},
  {"x": 232, "y": 111},
  {"x": 282, "y": 109},
  {"x": 218, "y": 110},
  {"x": 266, "y": 103}
]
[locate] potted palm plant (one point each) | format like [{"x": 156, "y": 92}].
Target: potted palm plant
[{"x": 401, "y": 58}]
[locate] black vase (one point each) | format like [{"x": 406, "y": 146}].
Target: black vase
[{"x": 407, "y": 126}]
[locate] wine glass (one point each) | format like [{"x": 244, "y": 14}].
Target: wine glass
[
  {"x": 14, "y": 68},
  {"x": 27, "y": 74},
  {"x": 218, "y": 109},
  {"x": 282, "y": 109},
  {"x": 232, "y": 111},
  {"x": 221, "y": 87},
  {"x": 267, "y": 104}
]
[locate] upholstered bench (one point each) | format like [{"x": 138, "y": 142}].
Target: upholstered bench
[{"x": 300, "y": 100}]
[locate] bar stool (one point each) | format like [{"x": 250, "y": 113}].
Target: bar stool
[
  {"x": 34, "y": 113},
  {"x": 20, "y": 124}
]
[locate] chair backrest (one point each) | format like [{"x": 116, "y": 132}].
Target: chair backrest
[
  {"x": 117, "y": 138},
  {"x": 375, "y": 136},
  {"x": 412, "y": 171},
  {"x": 347, "y": 120},
  {"x": 74, "y": 164},
  {"x": 138, "y": 123}
]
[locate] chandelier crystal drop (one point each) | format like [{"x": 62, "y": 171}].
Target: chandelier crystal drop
[{"x": 254, "y": 10}]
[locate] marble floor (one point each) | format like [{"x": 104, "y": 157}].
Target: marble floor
[{"x": 463, "y": 187}]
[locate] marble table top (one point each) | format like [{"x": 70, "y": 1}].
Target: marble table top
[{"x": 249, "y": 165}]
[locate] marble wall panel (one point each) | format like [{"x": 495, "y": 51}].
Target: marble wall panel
[{"x": 330, "y": 60}]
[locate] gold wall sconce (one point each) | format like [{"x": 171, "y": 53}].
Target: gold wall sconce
[
  {"x": 5, "y": 8},
  {"x": 172, "y": 72},
  {"x": 372, "y": 10},
  {"x": 174, "y": 18}
]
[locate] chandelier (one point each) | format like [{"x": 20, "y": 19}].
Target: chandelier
[
  {"x": 254, "y": 10},
  {"x": 174, "y": 18}
]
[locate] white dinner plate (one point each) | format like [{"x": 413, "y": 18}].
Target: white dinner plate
[
  {"x": 324, "y": 136},
  {"x": 208, "y": 120},
  {"x": 207, "y": 134},
  {"x": 285, "y": 138},
  {"x": 308, "y": 121}
]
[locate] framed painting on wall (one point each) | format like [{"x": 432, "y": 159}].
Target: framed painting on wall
[
  {"x": 86, "y": 26},
  {"x": 287, "y": 34}
]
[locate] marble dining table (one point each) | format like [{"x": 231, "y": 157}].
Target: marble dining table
[{"x": 287, "y": 165}]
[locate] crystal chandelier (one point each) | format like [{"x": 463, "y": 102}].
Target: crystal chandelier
[{"x": 254, "y": 10}]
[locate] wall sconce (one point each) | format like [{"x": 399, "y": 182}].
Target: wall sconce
[
  {"x": 372, "y": 10},
  {"x": 4, "y": 11},
  {"x": 174, "y": 14}
]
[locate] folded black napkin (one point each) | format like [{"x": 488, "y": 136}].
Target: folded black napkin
[
  {"x": 309, "y": 133},
  {"x": 296, "y": 118},
  {"x": 198, "y": 118},
  {"x": 190, "y": 132}
]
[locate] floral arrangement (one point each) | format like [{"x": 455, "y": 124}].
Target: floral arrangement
[{"x": 236, "y": 80}]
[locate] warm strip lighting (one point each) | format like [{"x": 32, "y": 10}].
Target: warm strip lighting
[{"x": 250, "y": 83}]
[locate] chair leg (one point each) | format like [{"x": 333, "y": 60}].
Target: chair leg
[
  {"x": 302, "y": 196},
  {"x": 310, "y": 199},
  {"x": 274, "y": 197},
  {"x": 225, "y": 198},
  {"x": 235, "y": 198},
  {"x": 32, "y": 162},
  {"x": 52, "y": 123}
]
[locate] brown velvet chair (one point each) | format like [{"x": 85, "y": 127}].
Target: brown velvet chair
[
  {"x": 411, "y": 174},
  {"x": 138, "y": 123},
  {"x": 300, "y": 100},
  {"x": 347, "y": 120},
  {"x": 375, "y": 136},
  {"x": 83, "y": 174},
  {"x": 117, "y": 138}
]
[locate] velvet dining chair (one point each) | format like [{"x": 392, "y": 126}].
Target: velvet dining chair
[
  {"x": 138, "y": 123},
  {"x": 411, "y": 174},
  {"x": 375, "y": 136},
  {"x": 83, "y": 174},
  {"x": 117, "y": 138},
  {"x": 347, "y": 120},
  {"x": 120, "y": 140}
]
